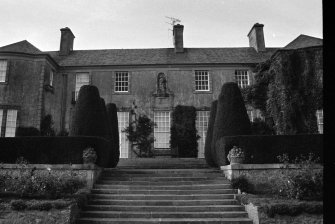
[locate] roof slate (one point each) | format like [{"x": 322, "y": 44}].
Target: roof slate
[
  {"x": 303, "y": 41},
  {"x": 22, "y": 47},
  {"x": 162, "y": 56}
]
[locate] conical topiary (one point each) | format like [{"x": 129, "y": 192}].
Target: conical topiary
[
  {"x": 231, "y": 119},
  {"x": 208, "y": 153},
  {"x": 88, "y": 117},
  {"x": 114, "y": 133}
]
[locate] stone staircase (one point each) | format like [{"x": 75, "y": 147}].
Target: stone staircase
[{"x": 151, "y": 191}]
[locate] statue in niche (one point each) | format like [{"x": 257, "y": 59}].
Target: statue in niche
[{"x": 161, "y": 85}]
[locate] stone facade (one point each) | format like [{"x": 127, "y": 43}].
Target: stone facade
[{"x": 38, "y": 83}]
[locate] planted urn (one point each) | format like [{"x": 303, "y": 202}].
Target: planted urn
[
  {"x": 236, "y": 155},
  {"x": 89, "y": 156}
]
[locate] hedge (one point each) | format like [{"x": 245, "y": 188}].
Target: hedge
[
  {"x": 231, "y": 119},
  {"x": 53, "y": 150},
  {"x": 114, "y": 133},
  {"x": 208, "y": 154},
  {"x": 263, "y": 149},
  {"x": 183, "y": 131}
]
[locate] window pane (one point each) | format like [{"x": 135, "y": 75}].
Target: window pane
[
  {"x": 123, "y": 121},
  {"x": 11, "y": 123},
  {"x": 201, "y": 81},
  {"x": 3, "y": 70},
  {"x": 162, "y": 130},
  {"x": 81, "y": 79},
  {"x": 242, "y": 78},
  {"x": 319, "y": 117},
  {"x": 202, "y": 125},
  {"x": 121, "y": 82},
  {"x": 51, "y": 78}
]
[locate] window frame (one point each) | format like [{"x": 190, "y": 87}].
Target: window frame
[
  {"x": 5, "y": 123},
  {"x": 202, "y": 121},
  {"x": 51, "y": 78},
  {"x": 116, "y": 82},
  {"x": 240, "y": 81},
  {"x": 319, "y": 116},
  {"x": 5, "y": 71},
  {"x": 167, "y": 127},
  {"x": 197, "y": 87}
]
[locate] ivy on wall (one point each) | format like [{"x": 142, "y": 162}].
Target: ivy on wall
[{"x": 288, "y": 90}]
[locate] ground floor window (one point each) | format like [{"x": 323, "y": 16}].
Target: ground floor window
[
  {"x": 202, "y": 124},
  {"x": 162, "y": 129},
  {"x": 123, "y": 122},
  {"x": 319, "y": 117},
  {"x": 8, "y": 120}
]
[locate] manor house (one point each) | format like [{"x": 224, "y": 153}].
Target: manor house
[{"x": 36, "y": 83}]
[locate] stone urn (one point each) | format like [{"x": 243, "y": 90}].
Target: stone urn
[
  {"x": 236, "y": 155},
  {"x": 236, "y": 159}
]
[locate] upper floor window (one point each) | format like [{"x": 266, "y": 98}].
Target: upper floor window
[
  {"x": 254, "y": 114},
  {"x": 319, "y": 117},
  {"x": 121, "y": 82},
  {"x": 51, "y": 77},
  {"x": 201, "y": 81},
  {"x": 81, "y": 79},
  {"x": 3, "y": 70},
  {"x": 242, "y": 78},
  {"x": 10, "y": 118}
]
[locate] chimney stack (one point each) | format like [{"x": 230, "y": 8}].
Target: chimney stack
[
  {"x": 66, "y": 41},
  {"x": 256, "y": 37},
  {"x": 178, "y": 42}
]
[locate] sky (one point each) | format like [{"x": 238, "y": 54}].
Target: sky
[{"x": 116, "y": 24}]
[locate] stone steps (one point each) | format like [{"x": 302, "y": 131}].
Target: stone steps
[{"x": 135, "y": 192}]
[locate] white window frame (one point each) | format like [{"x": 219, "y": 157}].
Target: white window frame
[
  {"x": 121, "y": 84},
  {"x": 162, "y": 131},
  {"x": 10, "y": 122},
  {"x": 242, "y": 78},
  {"x": 202, "y": 125},
  {"x": 80, "y": 83},
  {"x": 253, "y": 114},
  {"x": 3, "y": 71},
  {"x": 201, "y": 78},
  {"x": 319, "y": 117},
  {"x": 51, "y": 77},
  {"x": 123, "y": 122}
]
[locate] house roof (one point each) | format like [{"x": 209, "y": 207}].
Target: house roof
[
  {"x": 303, "y": 41},
  {"x": 161, "y": 56},
  {"x": 22, "y": 47},
  {"x": 158, "y": 56}
]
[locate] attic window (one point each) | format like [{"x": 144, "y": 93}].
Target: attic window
[
  {"x": 3, "y": 70},
  {"x": 121, "y": 82},
  {"x": 201, "y": 81}
]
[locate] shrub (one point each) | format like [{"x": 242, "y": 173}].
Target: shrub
[
  {"x": 27, "y": 131},
  {"x": 53, "y": 150},
  {"x": 88, "y": 117},
  {"x": 305, "y": 183},
  {"x": 231, "y": 119},
  {"x": 183, "y": 131},
  {"x": 18, "y": 205},
  {"x": 114, "y": 128},
  {"x": 209, "y": 155},
  {"x": 263, "y": 149},
  {"x": 292, "y": 209},
  {"x": 260, "y": 127},
  {"x": 141, "y": 136},
  {"x": 40, "y": 205},
  {"x": 243, "y": 184},
  {"x": 89, "y": 155},
  {"x": 47, "y": 126}
]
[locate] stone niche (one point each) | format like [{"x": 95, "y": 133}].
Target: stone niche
[{"x": 162, "y": 97}]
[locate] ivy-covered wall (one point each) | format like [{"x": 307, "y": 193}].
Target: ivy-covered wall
[{"x": 288, "y": 90}]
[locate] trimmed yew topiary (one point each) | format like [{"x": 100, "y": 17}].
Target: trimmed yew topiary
[
  {"x": 114, "y": 133},
  {"x": 183, "y": 131},
  {"x": 208, "y": 153},
  {"x": 231, "y": 119},
  {"x": 88, "y": 117}
]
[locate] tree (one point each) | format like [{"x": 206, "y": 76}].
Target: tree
[
  {"x": 231, "y": 119},
  {"x": 139, "y": 132}
]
